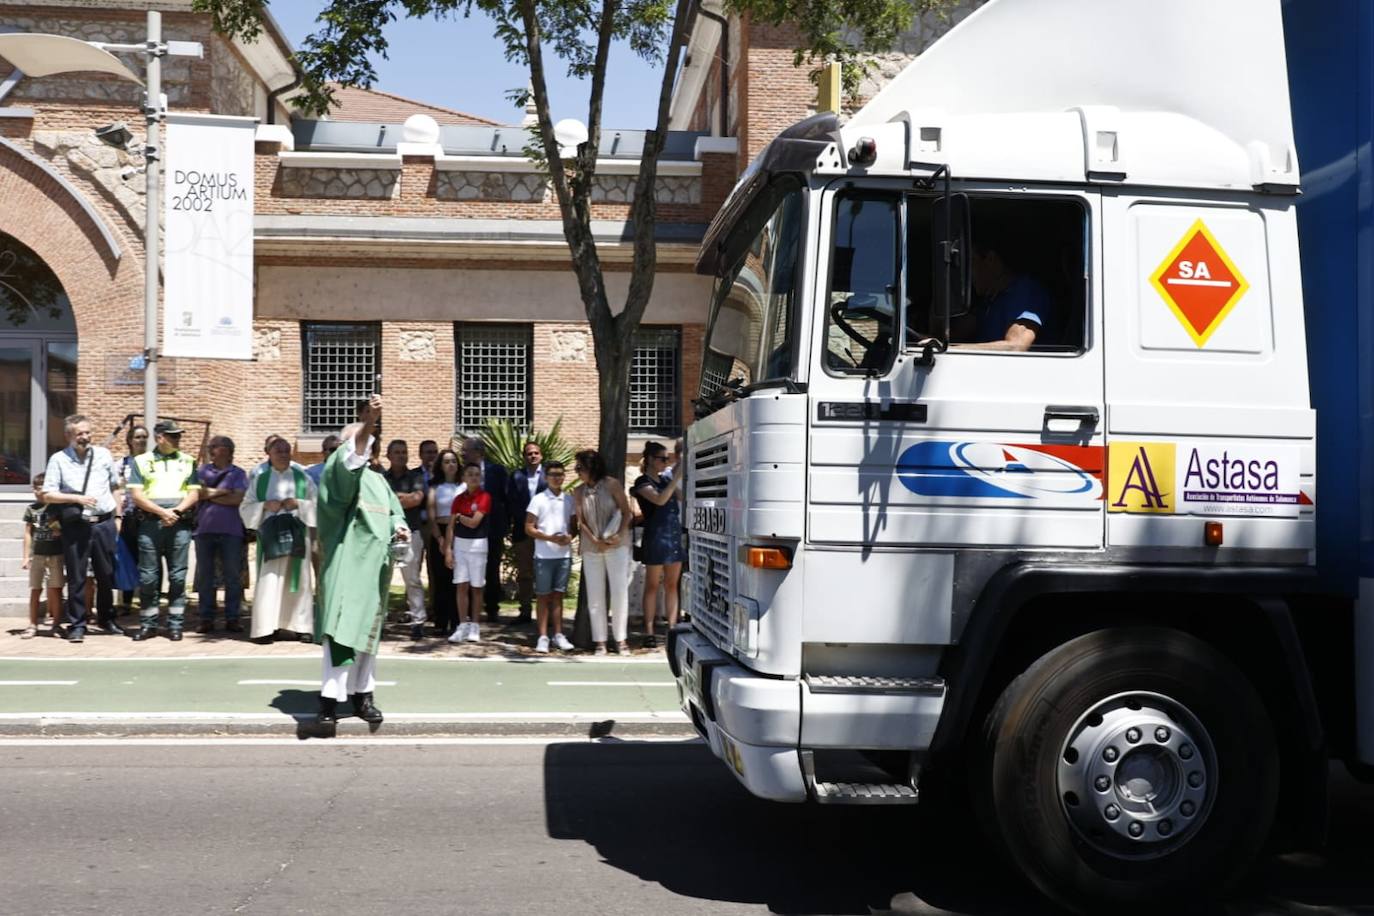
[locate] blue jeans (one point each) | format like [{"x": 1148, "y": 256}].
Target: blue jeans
[
  {"x": 156, "y": 542},
  {"x": 229, "y": 549}
]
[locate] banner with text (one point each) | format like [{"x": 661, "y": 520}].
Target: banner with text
[{"x": 208, "y": 237}]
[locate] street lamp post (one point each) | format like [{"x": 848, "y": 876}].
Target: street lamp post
[{"x": 152, "y": 228}]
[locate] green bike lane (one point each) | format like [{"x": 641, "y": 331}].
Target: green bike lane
[{"x": 285, "y": 689}]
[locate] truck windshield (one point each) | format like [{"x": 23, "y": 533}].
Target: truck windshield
[{"x": 751, "y": 336}]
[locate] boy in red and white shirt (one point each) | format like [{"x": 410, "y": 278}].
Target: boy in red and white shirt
[{"x": 465, "y": 551}]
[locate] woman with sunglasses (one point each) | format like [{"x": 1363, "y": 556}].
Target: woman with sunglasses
[
  {"x": 656, "y": 491},
  {"x": 603, "y": 520},
  {"x": 444, "y": 489}
]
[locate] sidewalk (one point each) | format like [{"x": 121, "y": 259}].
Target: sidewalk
[{"x": 223, "y": 684}]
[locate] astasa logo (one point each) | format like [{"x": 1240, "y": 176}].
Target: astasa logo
[
  {"x": 993, "y": 470},
  {"x": 1140, "y": 477}
]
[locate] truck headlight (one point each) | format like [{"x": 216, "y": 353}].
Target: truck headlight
[{"x": 744, "y": 619}]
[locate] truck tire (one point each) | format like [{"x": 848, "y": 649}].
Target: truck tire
[{"x": 1133, "y": 768}]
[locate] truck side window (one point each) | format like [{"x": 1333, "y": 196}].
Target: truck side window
[
  {"x": 1028, "y": 276},
  {"x": 865, "y": 276}
]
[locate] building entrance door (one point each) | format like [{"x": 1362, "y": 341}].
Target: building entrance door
[{"x": 38, "y": 355}]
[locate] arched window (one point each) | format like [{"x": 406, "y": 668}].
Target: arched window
[{"x": 31, "y": 296}]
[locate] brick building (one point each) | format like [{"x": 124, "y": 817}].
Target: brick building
[{"x": 399, "y": 246}]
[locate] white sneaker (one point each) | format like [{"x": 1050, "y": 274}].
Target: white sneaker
[
  {"x": 474, "y": 632},
  {"x": 459, "y": 634},
  {"x": 562, "y": 643},
  {"x": 542, "y": 646}
]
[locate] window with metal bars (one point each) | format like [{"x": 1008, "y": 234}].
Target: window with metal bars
[
  {"x": 493, "y": 370},
  {"x": 341, "y": 366},
  {"x": 654, "y": 393}
]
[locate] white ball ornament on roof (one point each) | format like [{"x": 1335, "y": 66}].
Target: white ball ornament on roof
[{"x": 420, "y": 128}]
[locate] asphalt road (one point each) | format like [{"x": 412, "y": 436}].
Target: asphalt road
[{"x": 604, "y": 828}]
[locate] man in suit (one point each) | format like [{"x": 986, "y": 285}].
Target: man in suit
[
  {"x": 496, "y": 482},
  {"x": 524, "y": 484}
]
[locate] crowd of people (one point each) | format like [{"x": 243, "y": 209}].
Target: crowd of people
[{"x": 101, "y": 527}]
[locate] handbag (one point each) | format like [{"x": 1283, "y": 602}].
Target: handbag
[
  {"x": 69, "y": 512},
  {"x": 125, "y": 567}
]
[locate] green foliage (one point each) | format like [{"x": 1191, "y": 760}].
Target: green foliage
[{"x": 505, "y": 443}]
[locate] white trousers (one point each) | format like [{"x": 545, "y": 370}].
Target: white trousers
[
  {"x": 410, "y": 574},
  {"x": 614, "y": 565},
  {"x": 342, "y": 681}
]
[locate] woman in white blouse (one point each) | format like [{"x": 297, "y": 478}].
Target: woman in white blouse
[{"x": 280, "y": 506}]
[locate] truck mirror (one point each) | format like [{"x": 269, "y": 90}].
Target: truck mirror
[{"x": 951, "y": 218}]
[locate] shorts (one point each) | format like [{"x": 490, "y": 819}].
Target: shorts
[
  {"x": 551, "y": 575},
  {"x": 470, "y": 562},
  {"x": 49, "y": 565}
]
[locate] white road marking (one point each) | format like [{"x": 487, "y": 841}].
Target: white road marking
[
  {"x": 39, "y": 683},
  {"x": 201, "y": 741},
  {"x": 636, "y": 717},
  {"x": 284, "y": 682},
  {"x": 387, "y": 656},
  {"x": 611, "y": 683}
]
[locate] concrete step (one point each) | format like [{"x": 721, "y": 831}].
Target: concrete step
[
  {"x": 11, "y": 568},
  {"x": 11, "y": 547},
  {"x": 12, "y": 528},
  {"x": 15, "y": 589}
]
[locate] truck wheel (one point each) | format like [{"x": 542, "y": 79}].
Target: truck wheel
[{"x": 1131, "y": 767}]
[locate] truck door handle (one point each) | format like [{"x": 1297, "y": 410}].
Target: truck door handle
[{"x": 1083, "y": 415}]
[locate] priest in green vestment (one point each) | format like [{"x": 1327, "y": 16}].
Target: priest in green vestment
[{"x": 358, "y": 517}]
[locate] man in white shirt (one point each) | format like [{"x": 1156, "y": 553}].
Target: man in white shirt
[
  {"x": 84, "y": 475},
  {"x": 549, "y": 523}
]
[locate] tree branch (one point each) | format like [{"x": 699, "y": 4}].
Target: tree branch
[{"x": 644, "y": 209}]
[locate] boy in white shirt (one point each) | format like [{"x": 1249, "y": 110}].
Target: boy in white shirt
[{"x": 549, "y": 521}]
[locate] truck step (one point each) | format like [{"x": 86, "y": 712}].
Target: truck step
[
  {"x": 838, "y": 683},
  {"x": 852, "y": 793},
  {"x": 846, "y": 777}
]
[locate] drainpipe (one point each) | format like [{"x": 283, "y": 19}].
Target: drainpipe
[
  {"x": 275, "y": 93},
  {"x": 724, "y": 65}
]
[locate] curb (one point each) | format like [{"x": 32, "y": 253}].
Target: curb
[{"x": 304, "y": 727}]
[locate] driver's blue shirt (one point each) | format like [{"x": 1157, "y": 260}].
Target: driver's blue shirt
[{"x": 1023, "y": 299}]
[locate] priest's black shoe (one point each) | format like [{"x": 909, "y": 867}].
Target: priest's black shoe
[
  {"x": 363, "y": 708},
  {"x": 109, "y": 626},
  {"x": 144, "y": 633},
  {"x": 329, "y": 711}
]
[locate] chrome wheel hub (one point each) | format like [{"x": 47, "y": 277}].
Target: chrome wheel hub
[{"x": 1137, "y": 775}]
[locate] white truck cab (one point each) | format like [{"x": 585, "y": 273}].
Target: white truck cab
[{"x": 1005, "y": 452}]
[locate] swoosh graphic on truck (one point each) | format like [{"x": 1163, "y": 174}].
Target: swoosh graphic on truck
[{"x": 996, "y": 470}]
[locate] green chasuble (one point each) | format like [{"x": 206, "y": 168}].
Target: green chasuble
[{"x": 357, "y": 514}]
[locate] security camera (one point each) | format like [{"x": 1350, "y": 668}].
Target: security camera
[
  {"x": 116, "y": 135},
  {"x": 128, "y": 172}
]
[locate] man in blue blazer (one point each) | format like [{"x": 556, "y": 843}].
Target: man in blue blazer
[{"x": 524, "y": 484}]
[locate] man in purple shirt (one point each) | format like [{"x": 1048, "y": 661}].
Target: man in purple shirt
[{"x": 219, "y": 533}]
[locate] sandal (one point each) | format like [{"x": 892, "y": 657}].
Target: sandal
[
  {"x": 622, "y": 648},
  {"x": 600, "y": 649},
  {"x": 29, "y": 632}
]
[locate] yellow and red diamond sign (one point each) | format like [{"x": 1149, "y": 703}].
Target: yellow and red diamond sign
[{"x": 1199, "y": 283}]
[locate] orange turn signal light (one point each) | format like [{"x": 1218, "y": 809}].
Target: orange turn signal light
[
  {"x": 1212, "y": 534},
  {"x": 768, "y": 557}
]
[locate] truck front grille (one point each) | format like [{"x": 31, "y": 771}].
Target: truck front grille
[
  {"x": 710, "y": 472},
  {"x": 711, "y": 587}
]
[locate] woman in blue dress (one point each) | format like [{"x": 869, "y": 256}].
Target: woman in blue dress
[{"x": 656, "y": 490}]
